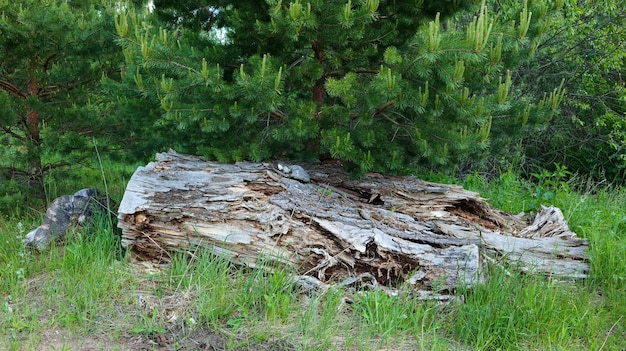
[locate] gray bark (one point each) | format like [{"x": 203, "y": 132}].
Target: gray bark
[{"x": 380, "y": 229}]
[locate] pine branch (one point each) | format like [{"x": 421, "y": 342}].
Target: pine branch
[
  {"x": 277, "y": 114},
  {"x": 384, "y": 107},
  {"x": 174, "y": 63},
  {"x": 12, "y": 133},
  {"x": 47, "y": 62},
  {"x": 10, "y": 173},
  {"x": 52, "y": 166},
  {"x": 12, "y": 89},
  {"x": 390, "y": 119},
  {"x": 54, "y": 89}
]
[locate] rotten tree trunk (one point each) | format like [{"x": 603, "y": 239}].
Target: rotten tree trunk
[{"x": 393, "y": 229}]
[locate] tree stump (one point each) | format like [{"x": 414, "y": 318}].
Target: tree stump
[{"x": 390, "y": 230}]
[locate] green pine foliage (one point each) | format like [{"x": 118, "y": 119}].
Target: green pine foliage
[
  {"x": 52, "y": 56},
  {"x": 379, "y": 85}
]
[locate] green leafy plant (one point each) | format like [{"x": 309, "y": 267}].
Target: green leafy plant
[
  {"x": 151, "y": 325},
  {"x": 549, "y": 185},
  {"x": 585, "y": 51}
]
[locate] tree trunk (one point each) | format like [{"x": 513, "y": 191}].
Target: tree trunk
[
  {"x": 35, "y": 169},
  {"x": 318, "y": 89},
  {"x": 389, "y": 230}
]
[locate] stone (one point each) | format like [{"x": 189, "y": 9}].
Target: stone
[
  {"x": 298, "y": 173},
  {"x": 64, "y": 213}
]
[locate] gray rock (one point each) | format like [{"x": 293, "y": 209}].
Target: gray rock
[
  {"x": 298, "y": 173},
  {"x": 65, "y": 212},
  {"x": 284, "y": 169}
]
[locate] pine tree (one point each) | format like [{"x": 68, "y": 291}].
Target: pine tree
[
  {"x": 380, "y": 85},
  {"x": 52, "y": 55}
]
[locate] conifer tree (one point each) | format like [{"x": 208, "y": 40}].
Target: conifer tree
[
  {"x": 52, "y": 55},
  {"x": 380, "y": 85}
]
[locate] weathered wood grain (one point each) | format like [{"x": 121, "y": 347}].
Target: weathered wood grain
[{"x": 398, "y": 229}]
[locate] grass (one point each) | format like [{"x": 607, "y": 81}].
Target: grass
[
  {"x": 539, "y": 313},
  {"x": 88, "y": 294},
  {"x": 78, "y": 285}
]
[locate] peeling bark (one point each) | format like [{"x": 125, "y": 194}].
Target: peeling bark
[{"x": 394, "y": 229}]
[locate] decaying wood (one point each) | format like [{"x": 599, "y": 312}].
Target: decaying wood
[{"x": 390, "y": 229}]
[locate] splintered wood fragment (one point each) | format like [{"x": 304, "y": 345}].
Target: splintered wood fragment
[{"x": 333, "y": 228}]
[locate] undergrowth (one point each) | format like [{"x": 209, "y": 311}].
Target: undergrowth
[{"x": 88, "y": 285}]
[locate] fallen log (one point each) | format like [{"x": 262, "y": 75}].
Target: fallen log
[{"x": 331, "y": 227}]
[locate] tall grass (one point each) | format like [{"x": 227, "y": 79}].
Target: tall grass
[
  {"x": 320, "y": 320},
  {"x": 518, "y": 311}
]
